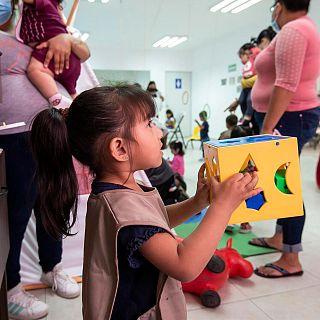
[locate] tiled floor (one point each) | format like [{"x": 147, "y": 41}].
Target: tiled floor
[{"x": 255, "y": 298}]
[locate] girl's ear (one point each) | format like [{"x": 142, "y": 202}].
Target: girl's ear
[{"x": 118, "y": 149}]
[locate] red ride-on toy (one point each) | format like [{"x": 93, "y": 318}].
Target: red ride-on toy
[{"x": 225, "y": 263}]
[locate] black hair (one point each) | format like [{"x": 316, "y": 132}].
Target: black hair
[
  {"x": 169, "y": 112},
  {"x": 241, "y": 131},
  {"x": 268, "y": 33},
  {"x": 232, "y": 120},
  {"x": 94, "y": 118},
  {"x": 247, "y": 46},
  {"x": 295, "y": 5},
  {"x": 203, "y": 114},
  {"x": 149, "y": 84},
  {"x": 177, "y": 145}
]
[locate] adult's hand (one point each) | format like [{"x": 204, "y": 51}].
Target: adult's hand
[
  {"x": 59, "y": 49},
  {"x": 233, "y": 106}
]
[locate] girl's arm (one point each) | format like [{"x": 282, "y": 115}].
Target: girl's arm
[
  {"x": 197, "y": 122},
  {"x": 62, "y": 16},
  {"x": 29, "y": 1},
  {"x": 184, "y": 261}
]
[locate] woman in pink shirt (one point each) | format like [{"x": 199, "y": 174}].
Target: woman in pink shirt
[{"x": 284, "y": 97}]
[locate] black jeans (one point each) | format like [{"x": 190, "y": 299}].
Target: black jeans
[
  {"x": 303, "y": 125},
  {"x": 22, "y": 195}
]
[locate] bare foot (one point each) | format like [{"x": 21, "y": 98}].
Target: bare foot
[{"x": 288, "y": 261}]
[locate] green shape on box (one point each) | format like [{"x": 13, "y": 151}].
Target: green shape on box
[
  {"x": 239, "y": 240},
  {"x": 280, "y": 181}
]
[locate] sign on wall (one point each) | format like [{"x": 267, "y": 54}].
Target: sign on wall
[{"x": 178, "y": 83}]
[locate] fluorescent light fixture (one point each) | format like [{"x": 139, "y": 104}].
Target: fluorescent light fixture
[
  {"x": 233, "y": 5},
  {"x": 105, "y": 1},
  {"x": 84, "y": 37},
  {"x": 169, "y": 41},
  {"x": 245, "y": 6},
  {"x": 180, "y": 40},
  {"x": 221, "y": 5},
  {"x": 91, "y": 1},
  {"x": 161, "y": 41}
]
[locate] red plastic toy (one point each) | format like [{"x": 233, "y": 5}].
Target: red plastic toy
[{"x": 225, "y": 263}]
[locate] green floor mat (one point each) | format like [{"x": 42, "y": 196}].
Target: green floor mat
[{"x": 239, "y": 240}]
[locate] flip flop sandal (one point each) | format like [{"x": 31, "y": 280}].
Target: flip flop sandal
[
  {"x": 263, "y": 244},
  {"x": 284, "y": 272}
]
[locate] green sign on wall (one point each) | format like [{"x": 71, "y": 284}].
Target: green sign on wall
[{"x": 232, "y": 67}]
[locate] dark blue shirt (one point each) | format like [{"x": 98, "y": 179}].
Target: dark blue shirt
[
  {"x": 138, "y": 278},
  {"x": 204, "y": 132}
]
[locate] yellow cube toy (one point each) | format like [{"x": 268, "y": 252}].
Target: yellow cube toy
[{"x": 276, "y": 161}]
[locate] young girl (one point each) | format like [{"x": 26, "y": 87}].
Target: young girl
[
  {"x": 133, "y": 264},
  {"x": 42, "y": 20},
  {"x": 177, "y": 163},
  {"x": 171, "y": 121},
  {"x": 204, "y": 129}
]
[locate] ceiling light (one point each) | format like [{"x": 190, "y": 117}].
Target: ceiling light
[
  {"x": 221, "y": 5},
  {"x": 169, "y": 41},
  {"x": 91, "y": 1},
  {"x": 245, "y": 6},
  {"x": 105, "y": 1},
  {"x": 180, "y": 40},
  {"x": 233, "y": 5},
  {"x": 161, "y": 41}
]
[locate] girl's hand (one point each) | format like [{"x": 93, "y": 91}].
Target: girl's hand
[
  {"x": 231, "y": 192},
  {"x": 203, "y": 186}
]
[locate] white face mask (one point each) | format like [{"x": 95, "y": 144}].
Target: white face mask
[
  {"x": 5, "y": 11},
  {"x": 275, "y": 26}
]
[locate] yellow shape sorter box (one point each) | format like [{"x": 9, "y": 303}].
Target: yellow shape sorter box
[{"x": 276, "y": 161}]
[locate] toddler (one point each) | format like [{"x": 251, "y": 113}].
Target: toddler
[{"x": 40, "y": 21}]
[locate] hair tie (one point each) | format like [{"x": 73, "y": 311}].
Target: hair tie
[{"x": 64, "y": 112}]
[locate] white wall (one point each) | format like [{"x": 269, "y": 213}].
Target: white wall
[
  {"x": 210, "y": 64},
  {"x": 155, "y": 61}
]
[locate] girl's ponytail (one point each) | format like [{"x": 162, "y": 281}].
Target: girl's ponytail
[{"x": 57, "y": 180}]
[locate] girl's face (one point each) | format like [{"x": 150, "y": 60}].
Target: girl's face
[
  {"x": 146, "y": 150},
  {"x": 174, "y": 151},
  {"x": 264, "y": 43},
  {"x": 244, "y": 57}
]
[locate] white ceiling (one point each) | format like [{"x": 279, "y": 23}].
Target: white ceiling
[{"x": 137, "y": 24}]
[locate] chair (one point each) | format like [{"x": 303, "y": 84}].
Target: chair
[
  {"x": 177, "y": 130},
  {"x": 195, "y": 136}
]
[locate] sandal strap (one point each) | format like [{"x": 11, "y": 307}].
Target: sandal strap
[{"x": 277, "y": 268}]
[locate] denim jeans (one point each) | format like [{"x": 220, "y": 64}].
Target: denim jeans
[
  {"x": 303, "y": 125},
  {"x": 22, "y": 195}
]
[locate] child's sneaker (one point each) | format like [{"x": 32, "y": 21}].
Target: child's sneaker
[
  {"x": 62, "y": 284},
  {"x": 24, "y": 306}
]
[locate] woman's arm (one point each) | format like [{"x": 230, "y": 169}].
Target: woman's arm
[{"x": 59, "y": 49}]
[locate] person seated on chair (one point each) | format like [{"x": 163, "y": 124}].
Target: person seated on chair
[
  {"x": 171, "y": 121},
  {"x": 231, "y": 122}
]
